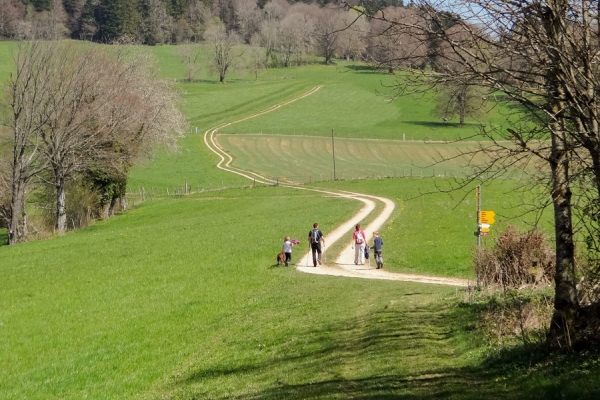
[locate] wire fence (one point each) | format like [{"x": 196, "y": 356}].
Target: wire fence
[{"x": 140, "y": 194}]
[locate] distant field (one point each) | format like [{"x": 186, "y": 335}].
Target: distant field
[
  {"x": 355, "y": 102},
  {"x": 300, "y": 157}
]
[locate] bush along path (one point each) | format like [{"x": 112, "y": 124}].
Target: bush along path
[{"x": 340, "y": 264}]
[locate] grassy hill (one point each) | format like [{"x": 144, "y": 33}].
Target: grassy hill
[{"x": 179, "y": 298}]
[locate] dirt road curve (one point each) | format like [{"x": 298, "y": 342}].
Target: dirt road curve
[{"x": 333, "y": 264}]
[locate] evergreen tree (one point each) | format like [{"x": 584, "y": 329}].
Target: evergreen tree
[
  {"x": 117, "y": 18},
  {"x": 39, "y": 5}
]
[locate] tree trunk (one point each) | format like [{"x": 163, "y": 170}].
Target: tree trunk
[
  {"x": 15, "y": 208},
  {"x": 24, "y": 231},
  {"x": 61, "y": 213},
  {"x": 17, "y": 197},
  {"x": 111, "y": 207},
  {"x": 566, "y": 304}
]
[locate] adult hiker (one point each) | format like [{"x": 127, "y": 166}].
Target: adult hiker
[
  {"x": 315, "y": 237},
  {"x": 358, "y": 244}
]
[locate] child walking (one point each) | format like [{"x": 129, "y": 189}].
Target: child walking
[
  {"x": 287, "y": 249},
  {"x": 378, "y": 247}
]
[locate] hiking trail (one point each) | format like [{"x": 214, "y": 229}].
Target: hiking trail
[{"x": 343, "y": 265}]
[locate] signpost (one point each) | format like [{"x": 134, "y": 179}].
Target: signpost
[
  {"x": 484, "y": 219},
  {"x": 487, "y": 217}
]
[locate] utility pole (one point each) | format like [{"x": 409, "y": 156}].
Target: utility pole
[{"x": 333, "y": 151}]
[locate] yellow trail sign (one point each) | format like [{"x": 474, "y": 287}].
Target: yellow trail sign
[{"x": 486, "y": 217}]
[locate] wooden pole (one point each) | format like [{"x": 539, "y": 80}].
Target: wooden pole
[{"x": 333, "y": 152}]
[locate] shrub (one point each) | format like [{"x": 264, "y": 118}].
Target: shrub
[
  {"x": 515, "y": 259},
  {"x": 513, "y": 317}
]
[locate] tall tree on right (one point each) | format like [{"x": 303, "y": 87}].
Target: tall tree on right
[{"x": 542, "y": 56}]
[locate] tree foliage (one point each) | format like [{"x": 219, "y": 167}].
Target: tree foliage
[{"x": 83, "y": 111}]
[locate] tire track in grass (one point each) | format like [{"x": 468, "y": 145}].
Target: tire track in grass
[{"x": 343, "y": 265}]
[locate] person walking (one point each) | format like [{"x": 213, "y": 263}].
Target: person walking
[
  {"x": 315, "y": 237},
  {"x": 287, "y": 249},
  {"x": 358, "y": 244},
  {"x": 378, "y": 248}
]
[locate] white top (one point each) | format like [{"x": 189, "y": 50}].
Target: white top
[{"x": 287, "y": 246}]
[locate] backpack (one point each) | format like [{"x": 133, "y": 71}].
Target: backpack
[
  {"x": 367, "y": 252},
  {"x": 359, "y": 238},
  {"x": 314, "y": 236}
]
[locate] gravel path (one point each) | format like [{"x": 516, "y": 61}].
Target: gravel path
[{"x": 343, "y": 265}]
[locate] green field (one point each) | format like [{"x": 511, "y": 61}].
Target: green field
[
  {"x": 179, "y": 297},
  {"x": 302, "y": 156}
]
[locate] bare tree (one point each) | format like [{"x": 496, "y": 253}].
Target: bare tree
[
  {"x": 462, "y": 99},
  {"x": 190, "y": 55},
  {"x": 196, "y": 15},
  {"x": 50, "y": 25},
  {"x": 27, "y": 105},
  {"x": 542, "y": 56},
  {"x": 157, "y": 23},
  {"x": 268, "y": 38},
  {"x": 353, "y": 40},
  {"x": 225, "y": 52},
  {"x": 247, "y": 18},
  {"x": 256, "y": 60},
  {"x": 12, "y": 12},
  {"x": 294, "y": 40},
  {"x": 275, "y": 10},
  {"x": 5, "y": 185},
  {"x": 78, "y": 108},
  {"x": 397, "y": 39},
  {"x": 327, "y": 29}
]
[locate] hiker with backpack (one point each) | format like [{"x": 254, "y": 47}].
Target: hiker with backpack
[
  {"x": 358, "y": 244},
  {"x": 315, "y": 237}
]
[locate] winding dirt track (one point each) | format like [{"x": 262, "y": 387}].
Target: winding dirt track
[{"x": 343, "y": 265}]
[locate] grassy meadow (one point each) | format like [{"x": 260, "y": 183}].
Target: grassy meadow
[{"x": 179, "y": 297}]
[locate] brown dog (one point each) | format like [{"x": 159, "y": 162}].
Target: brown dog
[{"x": 281, "y": 258}]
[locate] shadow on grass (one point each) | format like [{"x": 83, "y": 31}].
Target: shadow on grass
[
  {"x": 407, "y": 354},
  {"x": 365, "y": 69},
  {"x": 442, "y": 124}
]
